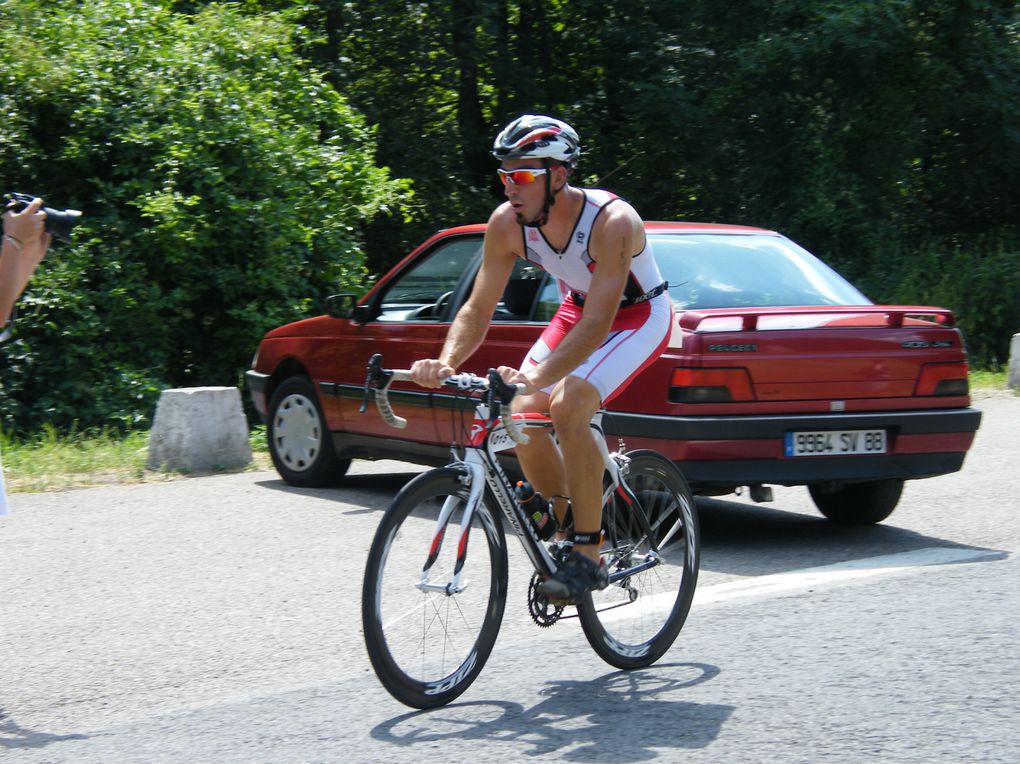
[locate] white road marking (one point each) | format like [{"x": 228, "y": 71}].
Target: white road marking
[
  {"x": 777, "y": 584},
  {"x": 840, "y": 572}
]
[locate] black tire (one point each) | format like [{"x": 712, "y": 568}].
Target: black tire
[
  {"x": 428, "y": 646},
  {"x": 299, "y": 440},
  {"x": 636, "y": 619},
  {"x": 857, "y": 503}
]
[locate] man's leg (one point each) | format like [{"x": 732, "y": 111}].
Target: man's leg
[
  {"x": 573, "y": 404},
  {"x": 541, "y": 460}
]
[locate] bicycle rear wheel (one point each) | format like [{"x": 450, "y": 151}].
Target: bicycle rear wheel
[
  {"x": 634, "y": 620},
  {"x": 427, "y": 639}
]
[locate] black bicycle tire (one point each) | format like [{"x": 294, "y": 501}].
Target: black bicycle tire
[
  {"x": 405, "y": 688},
  {"x": 632, "y": 656}
]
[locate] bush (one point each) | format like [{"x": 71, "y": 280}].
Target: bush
[
  {"x": 979, "y": 281},
  {"x": 223, "y": 184}
]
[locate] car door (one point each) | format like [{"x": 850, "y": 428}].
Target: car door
[{"x": 408, "y": 314}]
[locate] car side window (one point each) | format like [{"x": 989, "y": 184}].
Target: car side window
[{"x": 423, "y": 291}]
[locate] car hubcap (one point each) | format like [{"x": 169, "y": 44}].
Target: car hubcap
[{"x": 297, "y": 433}]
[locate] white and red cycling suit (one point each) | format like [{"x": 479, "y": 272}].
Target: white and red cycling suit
[{"x": 642, "y": 325}]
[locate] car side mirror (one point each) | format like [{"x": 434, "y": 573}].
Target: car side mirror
[
  {"x": 346, "y": 306},
  {"x": 340, "y": 305}
]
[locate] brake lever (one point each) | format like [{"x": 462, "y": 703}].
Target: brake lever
[
  {"x": 498, "y": 395},
  {"x": 376, "y": 378},
  {"x": 498, "y": 398}
]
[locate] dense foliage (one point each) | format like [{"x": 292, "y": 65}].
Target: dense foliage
[
  {"x": 223, "y": 184},
  {"x": 884, "y": 136},
  {"x": 228, "y": 185}
]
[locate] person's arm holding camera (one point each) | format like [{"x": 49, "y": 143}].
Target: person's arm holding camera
[{"x": 25, "y": 243}]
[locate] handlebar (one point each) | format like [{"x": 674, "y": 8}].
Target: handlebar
[{"x": 498, "y": 394}]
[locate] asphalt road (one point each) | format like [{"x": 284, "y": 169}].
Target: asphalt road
[{"x": 217, "y": 619}]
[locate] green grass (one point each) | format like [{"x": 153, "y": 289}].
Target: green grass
[
  {"x": 52, "y": 461},
  {"x": 989, "y": 380}
]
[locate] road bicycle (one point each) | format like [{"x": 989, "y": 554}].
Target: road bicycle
[{"x": 432, "y": 605}]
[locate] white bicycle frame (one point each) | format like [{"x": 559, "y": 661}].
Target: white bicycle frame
[{"x": 480, "y": 467}]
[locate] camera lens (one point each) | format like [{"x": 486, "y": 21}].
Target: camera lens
[{"x": 60, "y": 222}]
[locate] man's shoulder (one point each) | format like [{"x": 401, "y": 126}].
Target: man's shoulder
[
  {"x": 618, "y": 213},
  {"x": 617, "y": 222},
  {"x": 502, "y": 217},
  {"x": 503, "y": 230}
]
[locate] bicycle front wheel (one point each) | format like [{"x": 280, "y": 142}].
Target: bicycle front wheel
[
  {"x": 432, "y": 603},
  {"x": 652, "y": 550}
]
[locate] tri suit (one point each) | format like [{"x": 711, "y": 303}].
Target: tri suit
[{"x": 642, "y": 325}]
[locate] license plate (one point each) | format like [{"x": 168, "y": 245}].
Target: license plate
[{"x": 835, "y": 443}]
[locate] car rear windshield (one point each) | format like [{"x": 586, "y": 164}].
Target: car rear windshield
[{"x": 747, "y": 270}]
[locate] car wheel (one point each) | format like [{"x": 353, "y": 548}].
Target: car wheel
[
  {"x": 857, "y": 503},
  {"x": 299, "y": 441}
]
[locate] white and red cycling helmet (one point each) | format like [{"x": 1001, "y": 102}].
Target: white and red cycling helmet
[{"x": 539, "y": 137}]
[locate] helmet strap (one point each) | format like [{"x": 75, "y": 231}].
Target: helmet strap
[{"x": 550, "y": 199}]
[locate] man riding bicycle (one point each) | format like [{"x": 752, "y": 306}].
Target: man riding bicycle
[{"x": 614, "y": 321}]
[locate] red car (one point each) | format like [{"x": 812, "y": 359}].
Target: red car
[{"x": 778, "y": 372}]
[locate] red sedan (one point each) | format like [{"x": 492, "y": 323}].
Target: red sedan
[{"x": 778, "y": 372}]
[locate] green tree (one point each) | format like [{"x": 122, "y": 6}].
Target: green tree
[
  {"x": 880, "y": 135},
  {"x": 223, "y": 183}
]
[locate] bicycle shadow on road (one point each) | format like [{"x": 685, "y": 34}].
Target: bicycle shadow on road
[
  {"x": 753, "y": 540},
  {"x": 618, "y": 716},
  {"x": 13, "y": 735}
]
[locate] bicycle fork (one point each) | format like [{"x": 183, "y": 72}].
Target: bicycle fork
[{"x": 475, "y": 481}]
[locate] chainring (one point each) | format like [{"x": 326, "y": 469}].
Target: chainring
[{"x": 543, "y": 612}]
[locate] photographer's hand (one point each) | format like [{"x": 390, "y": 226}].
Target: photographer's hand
[{"x": 25, "y": 243}]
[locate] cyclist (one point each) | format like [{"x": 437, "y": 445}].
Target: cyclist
[{"x": 614, "y": 321}]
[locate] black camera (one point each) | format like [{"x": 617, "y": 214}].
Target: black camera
[{"x": 58, "y": 222}]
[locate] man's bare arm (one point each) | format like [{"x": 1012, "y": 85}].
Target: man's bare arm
[{"x": 469, "y": 327}]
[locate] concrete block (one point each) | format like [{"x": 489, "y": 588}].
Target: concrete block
[
  {"x": 199, "y": 429},
  {"x": 1014, "y": 362}
]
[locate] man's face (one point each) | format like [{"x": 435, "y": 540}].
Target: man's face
[{"x": 528, "y": 199}]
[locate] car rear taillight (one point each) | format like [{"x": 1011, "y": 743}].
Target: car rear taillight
[
  {"x": 943, "y": 379},
  {"x": 710, "y": 386}
]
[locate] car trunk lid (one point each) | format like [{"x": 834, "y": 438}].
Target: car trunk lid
[{"x": 818, "y": 353}]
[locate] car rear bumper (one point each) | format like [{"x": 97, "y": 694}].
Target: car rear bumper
[
  {"x": 742, "y": 450},
  {"x": 839, "y": 469},
  {"x": 930, "y": 421}
]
